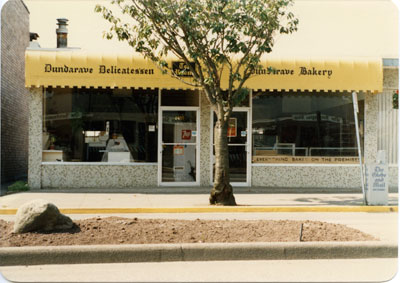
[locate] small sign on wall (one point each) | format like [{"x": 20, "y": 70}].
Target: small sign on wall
[
  {"x": 178, "y": 150},
  {"x": 232, "y": 127},
  {"x": 186, "y": 134},
  {"x": 376, "y": 185},
  {"x": 269, "y": 156}
]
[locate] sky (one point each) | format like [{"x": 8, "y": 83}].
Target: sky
[{"x": 327, "y": 28}]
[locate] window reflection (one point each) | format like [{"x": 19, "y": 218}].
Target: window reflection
[
  {"x": 305, "y": 124},
  {"x": 94, "y": 125}
]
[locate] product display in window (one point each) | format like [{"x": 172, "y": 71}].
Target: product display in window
[
  {"x": 117, "y": 150},
  {"x": 304, "y": 127},
  {"x": 101, "y": 125}
]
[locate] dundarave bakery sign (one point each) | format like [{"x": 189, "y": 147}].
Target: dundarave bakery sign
[
  {"x": 101, "y": 69},
  {"x": 300, "y": 71}
]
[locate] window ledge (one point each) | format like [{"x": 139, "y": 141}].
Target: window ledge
[
  {"x": 302, "y": 165},
  {"x": 308, "y": 165},
  {"x": 100, "y": 163}
]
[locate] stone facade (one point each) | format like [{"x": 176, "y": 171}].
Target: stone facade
[
  {"x": 306, "y": 176},
  {"x": 70, "y": 175},
  {"x": 371, "y": 127},
  {"x": 35, "y": 137},
  {"x": 205, "y": 143},
  {"x": 391, "y": 78},
  {"x": 14, "y": 95},
  {"x": 313, "y": 176},
  {"x": 98, "y": 176}
]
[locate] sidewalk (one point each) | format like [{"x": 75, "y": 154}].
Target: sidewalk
[{"x": 193, "y": 200}]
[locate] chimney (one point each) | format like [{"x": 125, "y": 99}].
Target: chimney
[{"x": 62, "y": 33}]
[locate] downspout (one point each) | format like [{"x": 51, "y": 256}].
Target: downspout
[{"x": 2, "y": 2}]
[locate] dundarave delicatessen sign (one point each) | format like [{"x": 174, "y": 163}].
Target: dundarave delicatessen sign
[{"x": 102, "y": 69}]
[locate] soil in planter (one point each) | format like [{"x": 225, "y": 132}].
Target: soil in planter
[{"x": 117, "y": 230}]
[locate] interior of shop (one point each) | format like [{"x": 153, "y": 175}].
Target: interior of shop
[{"x": 121, "y": 125}]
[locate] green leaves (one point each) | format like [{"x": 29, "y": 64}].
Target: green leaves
[
  {"x": 217, "y": 36},
  {"x": 240, "y": 95},
  {"x": 395, "y": 99}
]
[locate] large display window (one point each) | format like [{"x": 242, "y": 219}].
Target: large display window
[
  {"x": 304, "y": 127},
  {"x": 100, "y": 125}
]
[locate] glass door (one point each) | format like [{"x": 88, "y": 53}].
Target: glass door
[
  {"x": 178, "y": 156},
  {"x": 238, "y": 146}
]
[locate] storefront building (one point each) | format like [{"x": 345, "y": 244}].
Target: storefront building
[
  {"x": 101, "y": 116},
  {"x": 114, "y": 121}
]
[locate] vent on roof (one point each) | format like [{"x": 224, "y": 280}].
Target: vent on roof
[{"x": 62, "y": 33}]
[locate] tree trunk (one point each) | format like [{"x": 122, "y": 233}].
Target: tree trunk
[{"x": 221, "y": 193}]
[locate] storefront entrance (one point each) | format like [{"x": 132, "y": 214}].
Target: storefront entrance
[
  {"x": 179, "y": 143},
  {"x": 239, "y": 147}
]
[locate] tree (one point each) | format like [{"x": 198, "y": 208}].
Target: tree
[{"x": 212, "y": 38}]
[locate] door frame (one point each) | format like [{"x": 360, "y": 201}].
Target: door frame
[
  {"x": 248, "y": 147},
  {"x": 160, "y": 149}
]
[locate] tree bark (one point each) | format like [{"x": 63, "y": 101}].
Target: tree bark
[{"x": 221, "y": 193}]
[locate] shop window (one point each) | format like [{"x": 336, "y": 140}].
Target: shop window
[
  {"x": 304, "y": 127},
  {"x": 100, "y": 125}
]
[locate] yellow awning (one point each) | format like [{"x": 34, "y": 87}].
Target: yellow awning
[{"x": 84, "y": 69}]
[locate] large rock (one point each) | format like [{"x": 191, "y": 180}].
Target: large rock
[{"x": 40, "y": 215}]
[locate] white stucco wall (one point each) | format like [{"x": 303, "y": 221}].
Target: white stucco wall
[{"x": 327, "y": 28}]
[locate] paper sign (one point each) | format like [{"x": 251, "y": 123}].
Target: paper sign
[
  {"x": 186, "y": 134},
  {"x": 152, "y": 128},
  {"x": 242, "y": 133},
  {"x": 178, "y": 150},
  {"x": 232, "y": 127}
]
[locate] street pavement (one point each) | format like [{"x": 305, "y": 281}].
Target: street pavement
[{"x": 322, "y": 270}]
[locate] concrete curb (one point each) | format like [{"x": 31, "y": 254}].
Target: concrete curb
[
  {"x": 194, "y": 252},
  {"x": 206, "y": 209}
]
